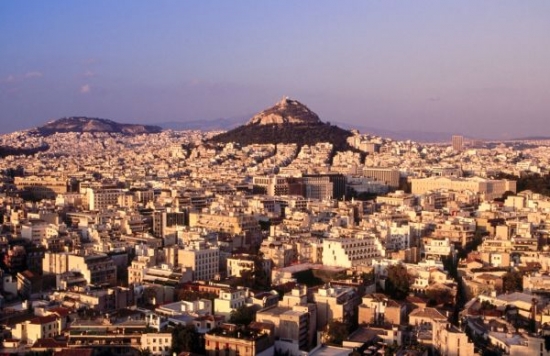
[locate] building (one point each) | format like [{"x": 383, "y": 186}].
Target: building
[
  {"x": 457, "y": 142},
  {"x": 164, "y": 220},
  {"x": 102, "y": 198},
  {"x": 459, "y": 232},
  {"x": 335, "y": 303},
  {"x": 351, "y": 252},
  {"x": 232, "y": 340},
  {"x": 434, "y": 248},
  {"x": 270, "y": 185},
  {"x": 229, "y": 300},
  {"x": 399, "y": 198},
  {"x": 296, "y": 323},
  {"x": 203, "y": 260},
  {"x": 239, "y": 263},
  {"x": 281, "y": 254},
  {"x": 324, "y": 186},
  {"x": 38, "y": 231},
  {"x": 97, "y": 269},
  {"x": 41, "y": 187},
  {"x": 449, "y": 340},
  {"x": 39, "y": 327},
  {"x": 230, "y": 222},
  {"x": 198, "y": 307},
  {"x": 159, "y": 344},
  {"x": 378, "y": 309},
  {"x": 487, "y": 189},
  {"x": 387, "y": 175}
]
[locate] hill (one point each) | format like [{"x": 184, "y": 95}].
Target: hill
[
  {"x": 86, "y": 124},
  {"x": 288, "y": 121}
]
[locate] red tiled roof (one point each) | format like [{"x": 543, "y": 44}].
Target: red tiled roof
[
  {"x": 44, "y": 319},
  {"x": 48, "y": 343}
]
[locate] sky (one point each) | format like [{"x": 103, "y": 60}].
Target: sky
[{"x": 478, "y": 68}]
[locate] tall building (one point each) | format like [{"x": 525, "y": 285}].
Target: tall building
[
  {"x": 97, "y": 269},
  {"x": 162, "y": 220},
  {"x": 335, "y": 303},
  {"x": 351, "y": 252},
  {"x": 458, "y": 142},
  {"x": 100, "y": 199},
  {"x": 203, "y": 260},
  {"x": 387, "y": 175}
]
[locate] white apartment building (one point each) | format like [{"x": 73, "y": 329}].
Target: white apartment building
[
  {"x": 203, "y": 260},
  {"x": 198, "y": 307},
  {"x": 100, "y": 199},
  {"x": 398, "y": 237},
  {"x": 237, "y": 264},
  {"x": 158, "y": 344},
  {"x": 437, "y": 248},
  {"x": 229, "y": 300},
  {"x": 38, "y": 231},
  {"x": 351, "y": 252}
]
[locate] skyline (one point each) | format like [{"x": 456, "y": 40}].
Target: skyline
[{"x": 472, "y": 68}]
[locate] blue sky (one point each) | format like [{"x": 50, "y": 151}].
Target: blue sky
[{"x": 479, "y": 68}]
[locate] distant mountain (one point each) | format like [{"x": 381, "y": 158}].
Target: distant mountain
[
  {"x": 222, "y": 124},
  {"x": 288, "y": 121},
  {"x": 532, "y": 138},
  {"x": 87, "y": 124}
]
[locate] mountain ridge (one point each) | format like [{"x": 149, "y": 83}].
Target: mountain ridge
[{"x": 90, "y": 124}]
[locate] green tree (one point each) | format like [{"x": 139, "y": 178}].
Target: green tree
[
  {"x": 397, "y": 283},
  {"x": 243, "y": 315},
  {"x": 191, "y": 295},
  {"x": 247, "y": 278},
  {"x": 336, "y": 332},
  {"x": 512, "y": 282},
  {"x": 439, "y": 296},
  {"x": 186, "y": 338},
  {"x": 145, "y": 352}
]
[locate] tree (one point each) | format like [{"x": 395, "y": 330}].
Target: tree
[
  {"x": 337, "y": 331},
  {"x": 145, "y": 352},
  {"x": 242, "y": 315},
  {"x": 512, "y": 282},
  {"x": 247, "y": 278},
  {"x": 439, "y": 296},
  {"x": 149, "y": 295},
  {"x": 397, "y": 283},
  {"x": 191, "y": 295},
  {"x": 186, "y": 338}
]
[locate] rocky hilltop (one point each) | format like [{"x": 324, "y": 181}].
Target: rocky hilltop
[
  {"x": 286, "y": 111},
  {"x": 86, "y": 124},
  {"x": 288, "y": 121}
]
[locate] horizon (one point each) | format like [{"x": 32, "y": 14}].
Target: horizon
[{"x": 472, "y": 68}]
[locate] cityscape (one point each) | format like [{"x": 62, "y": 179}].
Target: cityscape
[{"x": 136, "y": 223}]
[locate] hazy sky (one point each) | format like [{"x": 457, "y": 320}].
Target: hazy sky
[{"x": 480, "y": 68}]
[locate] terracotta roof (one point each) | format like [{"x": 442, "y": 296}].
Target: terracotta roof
[
  {"x": 60, "y": 311},
  {"x": 44, "y": 319},
  {"x": 430, "y": 313},
  {"x": 48, "y": 343}
]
